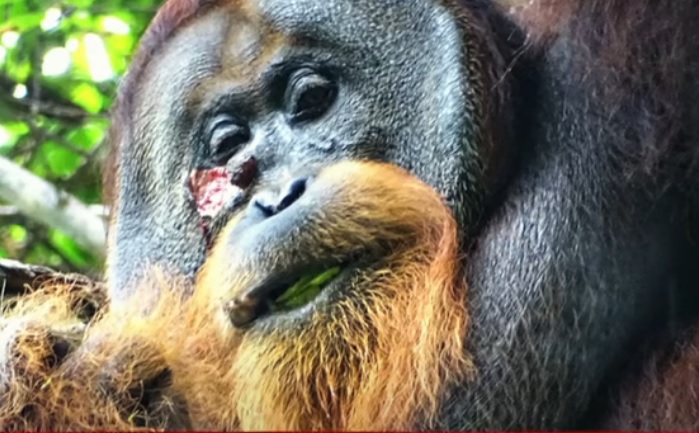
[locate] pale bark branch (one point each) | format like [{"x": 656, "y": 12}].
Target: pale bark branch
[{"x": 43, "y": 202}]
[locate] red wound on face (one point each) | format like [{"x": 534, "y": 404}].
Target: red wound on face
[{"x": 211, "y": 189}]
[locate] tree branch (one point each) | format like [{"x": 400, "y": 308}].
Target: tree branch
[
  {"x": 17, "y": 277},
  {"x": 41, "y": 201},
  {"x": 98, "y": 210},
  {"x": 58, "y": 109}
]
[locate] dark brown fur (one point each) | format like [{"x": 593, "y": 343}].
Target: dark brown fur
[
  {"x": 639, "y": 53},
  {"x": 665, "y": 397},
  {"x": 643, "y": 58}
]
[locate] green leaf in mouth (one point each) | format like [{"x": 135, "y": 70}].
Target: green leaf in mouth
[{"x": 305, "y": 289}]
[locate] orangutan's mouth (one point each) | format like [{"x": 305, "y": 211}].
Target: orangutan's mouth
[
  {"x": 278, "y": 294},
  {"x": 213, "y": 191}
]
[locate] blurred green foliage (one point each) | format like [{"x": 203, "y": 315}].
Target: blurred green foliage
[{"x": 60, "y": 62}]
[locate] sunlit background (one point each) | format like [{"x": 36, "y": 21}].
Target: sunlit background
[{"x": 60, "y": 63}]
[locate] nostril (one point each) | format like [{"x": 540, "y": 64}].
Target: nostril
[
  {"x": 271, "y": 204},
  {"x": 293, "y": 192},
  {"x": 266, "y": 204}
]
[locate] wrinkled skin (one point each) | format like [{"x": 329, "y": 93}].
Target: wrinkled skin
[
  {"x": 437, "y": 138},
  {"x": 567, "y": 175}
]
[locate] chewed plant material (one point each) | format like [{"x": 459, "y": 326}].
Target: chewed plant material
[{"x": 305, "y": 289}]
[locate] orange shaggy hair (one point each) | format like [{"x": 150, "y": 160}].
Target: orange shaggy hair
[{"x": 380, "y": 358}]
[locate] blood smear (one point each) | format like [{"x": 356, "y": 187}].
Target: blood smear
[{"x": 211, "y": 189}]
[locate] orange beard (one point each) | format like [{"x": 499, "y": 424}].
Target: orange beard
[{"x": 380, "y": 358}]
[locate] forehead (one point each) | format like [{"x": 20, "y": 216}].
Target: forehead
[
  {"x": 237, "y": 34},
  {"x": 346, "y": 21}
]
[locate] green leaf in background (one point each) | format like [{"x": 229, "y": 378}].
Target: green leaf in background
[
  {"x": 40, "y": 253},
  {"x": 88, "y": 136},
  {"x": 81, "y": 4},
  {"x": 87, "y": 96},
  {"x": 11, "y": 133},
  {"x": 70, "y": 250},
  {"x": 61, "y": 161},
  {"x": 18, "y": 233},
  {"x": 23, "y": 22},
  {"x": 60, "y": 62}
]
